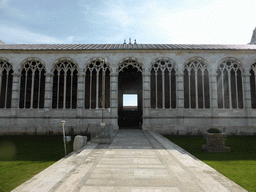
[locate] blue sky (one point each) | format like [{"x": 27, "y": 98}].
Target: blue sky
[
  {"x": 112, "y": 21},
  {"x": 130, "y": 100}
]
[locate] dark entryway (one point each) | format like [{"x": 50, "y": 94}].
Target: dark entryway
[{"x": 130, "y": 89}]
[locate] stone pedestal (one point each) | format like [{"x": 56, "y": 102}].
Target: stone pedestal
[
  {"x": 79, "y": 142},
  {"x": 215, "y": 142}
]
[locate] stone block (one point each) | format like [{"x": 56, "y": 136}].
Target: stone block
[{"x": 79, "y": 142}]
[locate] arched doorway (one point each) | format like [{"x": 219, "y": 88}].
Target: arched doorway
[{"x": 130, "y": 95}]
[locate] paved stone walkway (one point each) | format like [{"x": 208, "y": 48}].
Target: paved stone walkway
[{"x": 136, "y": 161}]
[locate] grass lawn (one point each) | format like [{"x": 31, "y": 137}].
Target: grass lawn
[
  {"x": 22, "y": 157},
  {"x": 238, "y": 165}
]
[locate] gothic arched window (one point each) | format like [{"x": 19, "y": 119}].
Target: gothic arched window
[
  {"x": 64, "y": 95},
  {"x": 253, "y": 85},
  {"x": 229, "y": 84},
  {"x": 97, "y": 85},
  {"x": 196, "y": 85},
  {"x": 32, "y": 85},
  {"x": 5, "y": 84},
  {"x": 163, "y": 84}
]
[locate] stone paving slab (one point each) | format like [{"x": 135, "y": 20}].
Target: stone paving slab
[{"x": 136, "y": 161}]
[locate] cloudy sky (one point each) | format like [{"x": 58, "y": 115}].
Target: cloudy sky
[{"x": 112, "y": 21}]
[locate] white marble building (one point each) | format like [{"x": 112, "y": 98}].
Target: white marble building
[{"x": 180, "y": 89}]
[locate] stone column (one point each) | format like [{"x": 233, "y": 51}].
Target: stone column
[
  {"x": 180, "y": 90},
  {"x": 246, "y": 91},
  {"x": 114, "y": 98},
  {"x": 146, "y": 98},
  {"x": 213, "y": 92},
  {"x": 80, "y": 91},
  {"x": 15, "y": 90},
  {"x": 48, "y": 91}
]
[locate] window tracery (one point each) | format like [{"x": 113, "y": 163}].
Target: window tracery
[
  {"x": 196, "y": 85},
  {"x": 65, "y": 85},
  {"x": 6, "y": 72},
  {"x": 97, "y": 85},
  {"x": 32, "y": 85},
  {"x": 229, "y": 84},
  {"x": 163, "y": 84},
  {"x": 129, "y": 62}
]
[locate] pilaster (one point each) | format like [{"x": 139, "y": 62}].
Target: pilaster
[
  {"x": 180, "y": 90},
  {"x": 213, "y": 92},
  {"x": 246, "y": 91},
  {"x": 48, "y": 91},
  {"x": 15, "y": 89},
  {"x": 146, "y": 96},
  {"x": 114, "y": 97},
  {"x": 80, "y": 91}
]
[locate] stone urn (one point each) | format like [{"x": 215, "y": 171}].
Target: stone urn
[{"x": 215, "y": 142}]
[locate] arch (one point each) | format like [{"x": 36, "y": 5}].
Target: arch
[
  {"x": 32, "y": 83},
  {"x": 6, "y": 77},
  {"x": 196, "y": 83},
  {"x": 163, "y": 73},
  {"x": 130, "y": 61},
  {"x": 229, "y": 83},
  {"x": 65, "y": 77},
  {"x": 130, "y": 71},
  {"x": 97, "y": 84},
  {"x": 252, "y": 72},
  {"x": 233, "y": 61}
]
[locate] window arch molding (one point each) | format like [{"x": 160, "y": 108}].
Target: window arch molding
[
  {"x": 65, "y": 81},
  {"x": 200, "y": 59},
  {"x": 163, "y": 73},
  {"x": 31, "y": 59},
  {"x": 6, "y": 76},
  {"x": 230, "y": 83},
  {"x": 97, "y": 83},
  {"x": 64, "y": 59},
  {"x": 32, "y": 83},
  {"x": 252, "y": 72},
  {"x": 126, "y": 62},
  {"x": 196, "y": 83}
]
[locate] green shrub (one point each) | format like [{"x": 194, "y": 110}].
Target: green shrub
[{"x": 213, "y": 130}]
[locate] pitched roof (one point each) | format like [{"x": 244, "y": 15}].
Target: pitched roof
[{"x": 125, "y": 47}]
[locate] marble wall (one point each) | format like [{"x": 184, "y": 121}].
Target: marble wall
[{"x": 173, "y": 121}]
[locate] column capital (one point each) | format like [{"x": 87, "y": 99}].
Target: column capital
[
  {"x": 246, "y": 75},
  {"x": 146, "y": 73},
  {"x": 16, "y": 74},
  {"x": 113, "y": 74},
  {"x": 48, "y": 74}
]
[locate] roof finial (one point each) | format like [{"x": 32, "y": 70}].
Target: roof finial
[
  {"x": 124, "y": 41},
  {"x": 135, "y": 41},
  {"x": 130, "y": 41}
]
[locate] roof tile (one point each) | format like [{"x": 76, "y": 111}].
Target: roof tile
[{"x": 125, "y": 47}]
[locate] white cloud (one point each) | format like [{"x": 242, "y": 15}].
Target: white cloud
[
  {"x": 219, "y": 22},
  {"x": 18, "y": 35},
  {"x": 115, "y": 11}
]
